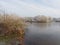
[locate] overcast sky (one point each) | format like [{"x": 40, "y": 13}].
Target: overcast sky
[{"x": 31, "y": 7}]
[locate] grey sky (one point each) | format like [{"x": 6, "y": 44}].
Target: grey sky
[{"x": 31, "y": 7}]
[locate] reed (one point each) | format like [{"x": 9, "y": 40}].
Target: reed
[{"x": 11, "y": 28}]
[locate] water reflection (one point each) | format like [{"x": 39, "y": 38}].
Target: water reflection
[{"x": 43, "y": 34}]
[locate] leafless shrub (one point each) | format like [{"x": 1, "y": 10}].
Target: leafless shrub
[{"x": 11, "y": 27}]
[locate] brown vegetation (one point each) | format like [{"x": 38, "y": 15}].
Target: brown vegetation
[{"x": 11, "y": 28}]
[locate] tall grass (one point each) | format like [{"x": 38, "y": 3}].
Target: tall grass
[{"x": 11, "y": 27}]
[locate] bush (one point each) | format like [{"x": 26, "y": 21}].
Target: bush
[{"x": 11, "y": 27}]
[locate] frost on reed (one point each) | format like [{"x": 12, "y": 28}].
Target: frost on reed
[{"x": 11, "y": 28}]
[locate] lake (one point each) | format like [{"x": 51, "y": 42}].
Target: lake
[{"x": 42, "y": 34}]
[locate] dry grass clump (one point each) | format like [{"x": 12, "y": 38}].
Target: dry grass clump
[{"x": 11, "y": 27}]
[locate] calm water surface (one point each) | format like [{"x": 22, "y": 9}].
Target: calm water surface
[{"x": 42, "y": 34}]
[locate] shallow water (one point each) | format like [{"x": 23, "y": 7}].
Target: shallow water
[{"x": 43, "y": 34}]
